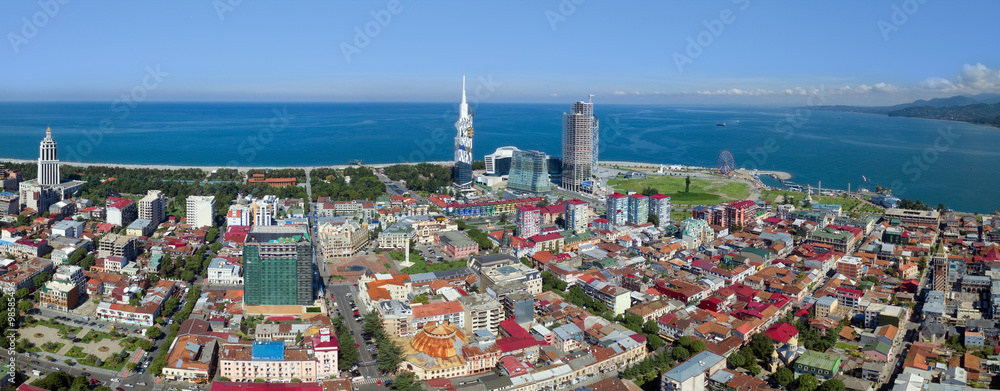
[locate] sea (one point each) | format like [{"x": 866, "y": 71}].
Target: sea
[{"x": 952, "y": 163}]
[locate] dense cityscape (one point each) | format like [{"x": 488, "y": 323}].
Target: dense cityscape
[
  {"x": 456, "y": 195},
  {"x": 521, "y": 271}
]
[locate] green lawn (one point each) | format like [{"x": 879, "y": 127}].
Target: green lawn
[
  {"x": 702, "y": 191},
  {"x": 679, "y": 215},
  {"x": 846, "y": 346}
]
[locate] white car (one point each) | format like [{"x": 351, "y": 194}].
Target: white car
[{"x": 116, "y": 380}]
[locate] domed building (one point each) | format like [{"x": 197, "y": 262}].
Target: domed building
[
  {"x": 442, "y": 340},
  {"x": 442, "y": 350}
]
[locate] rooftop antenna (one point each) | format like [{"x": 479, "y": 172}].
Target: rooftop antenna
[{"x": 590, "y": 98}]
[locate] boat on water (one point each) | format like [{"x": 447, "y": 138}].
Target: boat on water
[{"x": 720, "y": 124}]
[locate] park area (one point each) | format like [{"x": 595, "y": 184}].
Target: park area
[
  {"x": 847, "y": 204},
  {"x": 703, "y": 191},
  {"x": 87, "y": 346}
]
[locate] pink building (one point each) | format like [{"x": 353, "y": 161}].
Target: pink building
[{"x": 529, "y": 221}]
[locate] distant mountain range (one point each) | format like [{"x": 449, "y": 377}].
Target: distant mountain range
[{"x": 981, "y": 109}]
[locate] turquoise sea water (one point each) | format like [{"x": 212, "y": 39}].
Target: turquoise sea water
[{"x": 934, "y": 161}]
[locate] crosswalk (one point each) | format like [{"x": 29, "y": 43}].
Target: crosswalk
[{"x": 373, "y": 380}]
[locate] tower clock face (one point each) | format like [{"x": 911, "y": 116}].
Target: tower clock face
[{"x": 469, "y": 131}]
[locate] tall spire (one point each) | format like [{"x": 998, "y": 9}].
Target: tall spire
[{"x": 463, "y": 108}]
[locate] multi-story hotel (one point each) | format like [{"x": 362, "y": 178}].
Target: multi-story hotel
[
  {"x": 579, "y": 142},
  {"x": 342, "y": 237},
  {"x": 200, "y": 211},
  {"x": 153, "y": 206},
  {"x": 529, "y": 172}
]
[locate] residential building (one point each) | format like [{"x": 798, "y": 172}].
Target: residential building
[
  {"x": 114, "y": 245},
  {"x": 482, "y": 312},
  {"x": 659, "y": 206},
  {"x": 342, "y": 236},
  {"x": 579, "y": 146},
  {"x": 517, "y": 272},
  {"x": 616, "y": 298},
  {"x": 68, "y": 228},
  {"x": 577, "y": 214},
  {"x": 529, "y": 172},
  {"x": 691, "y": 374},
  {"x": 239, "y": 214},
  {"x": 145, "y": 313},
  {"x": 520, "y": 306},
  {"x": 71, "y": 274},
  {"x": 191, "y": 358},
  {"x": 821, "y": 365},
  {"x": 121, "y": 211},
  {"x": 825, "y": 306},
  {"x": 10, "y": 204},
  {"x": 277, "y": 263},
  {"x": 201, "y": 211},
  {"x": 221, "y": 271},
  {"x": 445, "y": 311},
  {"x": 153, "y": 207},
  {"x": 274, "y": 362},
  {"x": 617, "y": 209},
  {"x": 851, "y": 267},
  {"x": 60, "y": 296},
  {"x": 638, "y": 209},
  {"x": 140, "y": 227},
  {"x": 528, "y": 221},
  {"x": 456, "y": 244},
  {"x": 22, "y": 276}
]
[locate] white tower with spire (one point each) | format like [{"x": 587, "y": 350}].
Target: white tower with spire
[
  {"x": 463, "y": 145},
  {"x": 48, "y": 161}
]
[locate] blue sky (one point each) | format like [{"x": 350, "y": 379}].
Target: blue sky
[{"x": 853, "y": 52}]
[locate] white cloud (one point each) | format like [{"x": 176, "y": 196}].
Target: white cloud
[
  {"x": 619, "y": 93},
  {"x": 973, "y": 79},
  {"x": 884, "y": 87}
]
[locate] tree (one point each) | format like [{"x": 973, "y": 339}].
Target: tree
[
  {"x": 405, "y": 381},
  {"x": 736, "y": 360},
  {"x": 784, "y": 376},
  {"x": 697, "y": 346},
  {"x": 651, "y": 327},
  {"x": 755, "y": 369},
  {"x": 806, "y": 382},
  {"x": 223, "y": 378},
  {"x": 761, "y": 346},
  {"x": 24, "y": 306},
  {"x": 154, "y": 332},
  {"x": 680, "y": 353},
  {"x": 832, "y": 385},
  {"x": 687, "y": 184}
]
